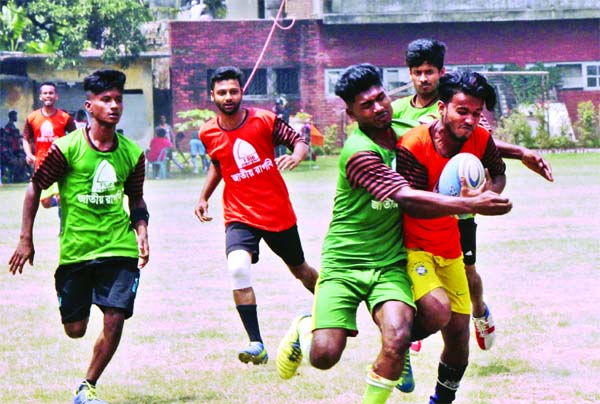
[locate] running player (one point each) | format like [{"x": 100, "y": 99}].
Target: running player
[
  {"x": 42, "y": 127},
  {"x": 425, "y": 60},
  {"x": 435, "y": 262},
  {"x": 241, "y": 143},
  {"x": 363, "y": 257},
  {"x": 102, "y": 247}
]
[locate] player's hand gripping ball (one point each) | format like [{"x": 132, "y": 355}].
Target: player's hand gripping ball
[{"x": 462, "y": 165}]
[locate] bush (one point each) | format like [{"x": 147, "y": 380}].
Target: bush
[
  {"x": 330, "y": 140},
  {"x": 542, "y": 137},
  {"x": 514, "y": 128},
  {"x": 587, "y": 125}
]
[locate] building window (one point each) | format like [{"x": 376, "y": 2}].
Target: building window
[
  {"x": 258, "y": 85},
  {"x": 331, "y": 77},
  {"x": 571, "y": 75},
  {"x": 395, "y": 77},
  {"x": 592, "y": 73},
  {"x": 392, "y": 78},
  {"x": 287, "y": 81}
]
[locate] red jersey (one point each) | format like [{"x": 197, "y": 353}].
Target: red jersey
[
  {"x": 41, "y": 131},
  {"x": 254, "y": 193},
  {"x": 420, "y": 163},
  {"x": 157, "y": 145}
]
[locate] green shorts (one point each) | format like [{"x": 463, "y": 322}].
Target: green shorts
[{"x": 339, "y": 292}]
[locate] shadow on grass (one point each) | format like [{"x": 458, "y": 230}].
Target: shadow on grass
[
  {"x": 498, "y": 367},
  {"x": 143, "y": 399}
]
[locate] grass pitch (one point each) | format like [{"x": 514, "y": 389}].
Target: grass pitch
[{"x": 539, "y": 265}]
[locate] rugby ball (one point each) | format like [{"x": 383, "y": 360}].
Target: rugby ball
[{"x": 462, "y": 165}]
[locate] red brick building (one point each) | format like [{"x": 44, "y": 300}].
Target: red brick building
[{"x": 303, "y": 62}]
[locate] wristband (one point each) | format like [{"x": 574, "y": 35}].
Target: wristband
[{"x": 138, "y": 214}]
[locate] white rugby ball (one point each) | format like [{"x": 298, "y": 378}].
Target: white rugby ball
[{"x": 462, "y": 165}]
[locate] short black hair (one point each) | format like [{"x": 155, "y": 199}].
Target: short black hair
[
  {"x": 160, "y": 132},
  {"x": 48, "y": 83},
  {"x": 467, "y": 82},
  {"x": 425, "y": 50},
  {"x": 104, "y": 80},
  {"x": 226, "y": 73},
  {"x": 356, "y": 79},
  {"x": 12, "y": 114}
]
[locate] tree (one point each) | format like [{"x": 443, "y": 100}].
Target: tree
[
  {"x": 217, "y": 9},
  {"x": 12, "y": 25},
  {"x": 64, "y": 28},
  {"x": 193, "y": 119},
  {"x": 587, "y": 129}
]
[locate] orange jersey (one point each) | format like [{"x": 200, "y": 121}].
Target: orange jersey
[
  {"x": 438, "y": 236},
  {"x": 42, "y": 130},
  {"x": 254, "y": 193}
]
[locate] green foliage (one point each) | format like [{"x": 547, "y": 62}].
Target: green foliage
[
  {"x": 65, "y": 28},
  {"x": 514, "y": 128},
  {"x": 529, "y": 89},
  {"x": 588, "y": 132},
  {"x": 12, "y": 26},
  {"x": 216, "y": 8},
  {"x": 301, "y": 116},
  {"x": 330, "y": 140},
  {"x": 193, "y": 119},
  {"x": 542, "y": 137}
]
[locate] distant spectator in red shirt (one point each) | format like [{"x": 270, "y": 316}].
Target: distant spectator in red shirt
[{"x": 157, "y": 144}]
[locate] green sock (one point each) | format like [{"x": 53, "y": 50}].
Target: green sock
[{"x": 378, "y": 389}]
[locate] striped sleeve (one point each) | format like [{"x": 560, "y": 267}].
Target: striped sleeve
[
  {"x": 367, "y": 170},
  {"x": 284, "y": 134},
  {"x": 492, "y": 160},
  {"x": 410, "y": 168},
  {"x": 134, "y": 184},
  {"x": 52, "y": 168}
]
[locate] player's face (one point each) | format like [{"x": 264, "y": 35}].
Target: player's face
[
  {"x": 372, "y": 108},
  {"x": 425, "y": 78},
  {"x": 106, "y": 107},
  {"x": 227, "y": 96},
  {"x": 48, "y": 95},
  {"x": 461, "y": 115}
]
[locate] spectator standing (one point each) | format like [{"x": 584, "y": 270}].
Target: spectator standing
[
  {"x": 197, "y": 148},
  {"x": 14, "y": 163}
]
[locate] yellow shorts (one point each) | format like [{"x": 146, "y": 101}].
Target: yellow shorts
[
  {"x": 428, "y": 272},
  {"x": 48, "y": 192}
]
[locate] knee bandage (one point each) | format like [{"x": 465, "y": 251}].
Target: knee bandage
[{"x": 238, "y": 265}]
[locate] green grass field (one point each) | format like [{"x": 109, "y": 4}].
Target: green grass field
[{"x": 539, "y": 265}]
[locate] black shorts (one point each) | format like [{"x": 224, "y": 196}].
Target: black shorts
[
  {"x": 106, "y": 282},
  {"x": 468, "y": 235},
  {"x": 286, "y": 244}
]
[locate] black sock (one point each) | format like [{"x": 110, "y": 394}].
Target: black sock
[
  {"x": 249, "y": 316},
  {"x": 447, "y": 383}
]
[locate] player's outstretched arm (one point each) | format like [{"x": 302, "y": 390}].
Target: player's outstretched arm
[
  {"x": 425, "y": 204},
  {"x": 531, "y": 159},
  {"x": 213, "y": 177},
  {"x": 25, "y": 250},
  {"x": 536, "y": 163}
]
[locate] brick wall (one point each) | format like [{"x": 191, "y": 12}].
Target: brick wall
[
  {"x": 572, "y": 98},
  {"x": 312, "y": 47}
]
